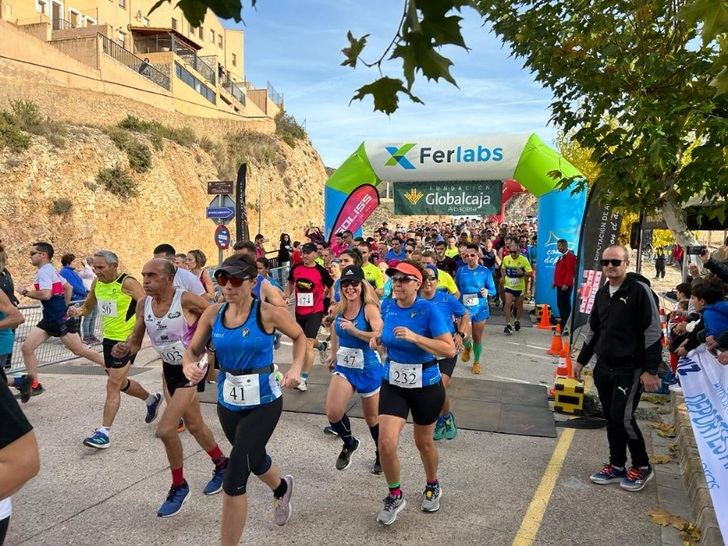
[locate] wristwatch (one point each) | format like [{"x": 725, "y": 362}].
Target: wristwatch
[{"x": 460, "y": 334}]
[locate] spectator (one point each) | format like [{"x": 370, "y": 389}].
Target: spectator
[
  {"x": 259, "y": 248},
  {"x": 69, "y": 273},
  {"x": 717, "y": 268},
  {"x": 660, "y": 263},
  {"x": 244, "y": 247},
  {"x": 564, "y": 275},
  {"x": 195, "y": 262},
  {"x": 88, "y": 322},
  {"x": 144, "y": 67},
  {"x": 284, "y": 250},
  {"x": 296, "y": 253},
  {"x": 180, "y": 260}
]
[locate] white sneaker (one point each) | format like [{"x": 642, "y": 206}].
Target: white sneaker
[{"x": 302, "y": 386}]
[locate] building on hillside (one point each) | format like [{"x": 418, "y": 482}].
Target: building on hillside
[{"x": 201, "y": 66}]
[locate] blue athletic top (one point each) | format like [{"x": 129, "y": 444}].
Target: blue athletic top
[
  {"x": 371, "y": 358},
  {"x": 6, "y": 338},
  {"x": 259, "y": 281},
  {"x": 243, "y": 349},
  {"x": 423, "y": 318},
  {"x": 449, "y": 306},
  {"x": 470, "y": 281},
  {"x": 337, "y": 294}
]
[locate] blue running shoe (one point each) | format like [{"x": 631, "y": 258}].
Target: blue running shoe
[
  {"x": 451, "y": 429},
  {"x": 153, "y": 408},
  {"x": 214, "y": 486},
  {"x": 439, "y": 432},
  {"x": 608, "y": 474},
  {"x": 175, "y": 499},
  {"x": 98, "y": 439},
  {"x": 637, "y": 478}
]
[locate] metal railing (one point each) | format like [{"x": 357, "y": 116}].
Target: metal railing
[
  {"x": 187, "y": 77},
  {"x": 274, "y": 95},
  {"x": 62, "y": 24},
  {"x": 236, "y": 89},
  {"x": 51, "y": 351},
  {"x": 126, "y": 57},
  {"x": 166, "y": 41}
]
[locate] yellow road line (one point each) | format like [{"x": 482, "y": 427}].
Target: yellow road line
[{"x": 537, "y": 508}]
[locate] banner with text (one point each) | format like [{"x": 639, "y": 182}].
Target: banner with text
[
  {"x": 472, "y": 198},
  {"x": 704, "y": 381}
]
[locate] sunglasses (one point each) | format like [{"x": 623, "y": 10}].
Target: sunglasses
[
  {"x": 403, "y": 279},
  {"x": 408, "y": 251},
  {"x": 235, "y": 282},
  {"x": 615, "y": 263},
  {"x": 472, "y": 255},
  {"x": 350, "y": 282},
  {"x": 431, "y": 278}
]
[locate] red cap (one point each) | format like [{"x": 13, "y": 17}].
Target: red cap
[{"x": 406, "y": 269}]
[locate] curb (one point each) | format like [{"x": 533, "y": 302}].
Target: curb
[{"x": 693, "y": 477}]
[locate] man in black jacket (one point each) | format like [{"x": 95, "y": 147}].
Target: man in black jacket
[{"x": 626, "y": 337}]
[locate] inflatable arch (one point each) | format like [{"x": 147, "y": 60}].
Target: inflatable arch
[{"x": 350, "y": 194}]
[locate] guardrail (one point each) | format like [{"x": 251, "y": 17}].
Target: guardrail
[
  {"x": 274, "y": 95},
  {"x": 126, "y": 57},
  {"x": 237, "y": 90}
]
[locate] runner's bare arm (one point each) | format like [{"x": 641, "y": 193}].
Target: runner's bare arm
[
  {"x": 133, "y": 343},
  {"x": 196, "y": 348},
  {"x": 194, "y": 305},
  {"x": 271, "y": 294},
  {"x": 133, "y": 288},
  {"x": 88, "y": 304},
  {"x": 13, "y": 317},
  {"x": 280, "y": 319}
]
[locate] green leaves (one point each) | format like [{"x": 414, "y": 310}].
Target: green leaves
[
  {"x": 385, "y": 91},
  {"x": 194, "y": 10},
  {"x": 713, "y": 14},
  {"x": 351, "y": 53}
]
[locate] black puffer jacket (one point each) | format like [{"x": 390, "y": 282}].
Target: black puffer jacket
[{"x": 625, "y": 327}]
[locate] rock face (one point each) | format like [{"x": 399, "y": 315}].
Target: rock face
[{"x": 38, "y": 184}]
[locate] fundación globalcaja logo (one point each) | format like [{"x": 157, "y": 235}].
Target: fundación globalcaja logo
[
  {"x": 447, "y": 197},
  {"x": 458, "y": 154}
]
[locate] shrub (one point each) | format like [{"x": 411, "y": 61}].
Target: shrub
[
  {"x": 60, "y": 207},
  {"x": 25, "y": 114},
  {"x": 289, "y": 129},
  {"x": 117, "y": 182},
  {"x": 57, "y": 140},
  {"x": 156, "y": 131},
  {"x": 119, "y": 137},
  {"x": 12, "y": 137},
  {"x": 207, "y": 144},
  {"x": 140, "y": 156}
]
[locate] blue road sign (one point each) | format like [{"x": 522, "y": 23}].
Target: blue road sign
[
  {"x": 222, "y": 237},
  {"x": 220, "y": 213}
]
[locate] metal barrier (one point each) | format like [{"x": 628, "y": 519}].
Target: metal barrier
[
  {"x": 50, "y": 352},
  {"x": 126, "y": 57}
]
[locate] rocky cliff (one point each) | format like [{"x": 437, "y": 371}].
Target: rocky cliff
[{"x": 85, "y": 188}]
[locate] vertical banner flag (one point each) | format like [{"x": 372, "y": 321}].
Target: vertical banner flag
[
  {"x": 356, "y": 209},
  {"x": 241, "y": 212},
  {"x": 599, "y": 229},
  {"x": 704, "y": 381}
]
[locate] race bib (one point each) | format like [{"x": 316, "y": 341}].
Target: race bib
[
  {"x": 171, "y": 353},
  {"x": 241, "y": 390},
  {"x": 512, "y": 281},
  {"x": 304, "y": 299},
  {"x": 350, "y": 358},
  {"x": 407, "y": 376},
  {"x": 470, "y": 300},
  {"x": 107, "y": 308}
]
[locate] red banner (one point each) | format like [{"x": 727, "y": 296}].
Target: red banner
[{"x": 356, "y": 209}]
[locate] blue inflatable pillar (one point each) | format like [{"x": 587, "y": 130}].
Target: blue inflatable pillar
[{"x": 559, "y": 217}]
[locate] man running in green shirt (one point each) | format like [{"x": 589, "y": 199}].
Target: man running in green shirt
[{"x": 515, "y": 268}]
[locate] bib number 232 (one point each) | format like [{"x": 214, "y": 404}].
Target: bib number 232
[{"x": 407, "y": 376}]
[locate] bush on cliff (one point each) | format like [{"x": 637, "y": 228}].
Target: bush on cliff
[
  {"x": 118, "y": 182},
  {"x": 156, "y": 131}
]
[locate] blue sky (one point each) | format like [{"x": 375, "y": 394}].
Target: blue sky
[{"x": 297, "y": 46}]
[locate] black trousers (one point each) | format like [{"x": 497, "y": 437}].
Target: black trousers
[
  {"x": 659, "y": 269},
  {"x": 619, "y": 392},
  {"x": 4, "y": 523},
  {"x": 563, "y": 302}
]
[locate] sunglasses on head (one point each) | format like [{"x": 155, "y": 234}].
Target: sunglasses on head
[
  {"x": 615, "y": 263},
  {"x": 350, "y": 282},
  {"x": 403, "y": 278},
  {"x": 235, "y": 282}
]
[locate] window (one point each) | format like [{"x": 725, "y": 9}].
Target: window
[
  {"x": 90, "y": 22},
  {"x": 202, "y": 33},
  {"x": 74, "y": 17},
  {"x": 121, "y": 38},
  {"x": 219, "y": 41},
  {"x": 212, "y": 36},
  {"x": 192, "y": 31},
  {"x": 174, "y": 23},
  {"x": 122, "y": 4},
  {"x": 235, "y": 60},
  {"x": 41, "y": 6}
]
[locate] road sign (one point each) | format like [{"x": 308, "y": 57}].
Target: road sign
[
  {"x": 219, "y": 187},
  {"x": 221, "y": 209},
  {"x": 222, "y": 237}
]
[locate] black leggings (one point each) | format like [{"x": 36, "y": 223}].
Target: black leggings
[
  {"x": 248, "y": 431},
  {"x": 3, "y": 529}
]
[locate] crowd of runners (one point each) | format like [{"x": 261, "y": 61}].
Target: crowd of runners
[{"x": 389, "y": 314}]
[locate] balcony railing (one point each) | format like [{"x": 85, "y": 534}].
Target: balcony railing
[
  {"x": 236, "y": 89},
  {"x": 61, "y": 24},
  {"x": 124, "y": 56},
  {"x": 274, "y": 95},
  {"x": 167, "y": 42}
]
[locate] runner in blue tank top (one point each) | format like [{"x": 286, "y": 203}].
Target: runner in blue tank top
[
  {"x": 249, "y": 398},
  {"x": 475, "y": 283},
  {"x": 414, "y": 333},
  {"x": 452, "y": 309},
  {"x": 356, "y": 366}
]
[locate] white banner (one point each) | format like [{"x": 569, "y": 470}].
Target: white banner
[
  {"x": 704, "y": 381},
  {"x": 485, "y": 157}
]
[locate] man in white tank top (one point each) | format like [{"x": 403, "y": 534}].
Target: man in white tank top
[{"x": 170, "y": 316}]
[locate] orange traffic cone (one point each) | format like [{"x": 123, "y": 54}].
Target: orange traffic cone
[
  {"x": 564, "y": 368},
  {"x": 545, "y": 323},
  {"x": 556, "y": 345}
]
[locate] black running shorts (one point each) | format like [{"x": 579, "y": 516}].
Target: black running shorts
[
  {"x": 310, "y": 324},
  {"x": 425, "y": 403}
]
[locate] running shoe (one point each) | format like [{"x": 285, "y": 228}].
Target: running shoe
[
  {"x": 465, "y": 355},
  {"x": 181, "y": 426},
  {"x": 328, "y": 429},
  {"x": 439, "y": 433},
  {"x": 277, "y": 340},
  {"x": 323, "y": 347},
  {"x": 637, "y": 478},
  {"x": 431, "y": 498},
  {"x": 476, "y": 368},
  {"x": 282, "y": 507},
  {"x": 508, "y": 330},
  {"x": 26, "y": 388},
  {"x": 451, "y": 429},
  {"x": 175, "y": 499},
  {"x": 377, "y": 466},
  {"x": 302, "y": 386},
  {"x": 608, "y": 474},
  {"x": 344, "y": 460},
  {"x": 392, "y": 507},
  {"x": 153, "y": 408},
  {"x": 214, "y": 486},
  {"x": 37, "y": 389},
  {"x": 517, "y": 325},
  {"x": 98, "y": 439}
]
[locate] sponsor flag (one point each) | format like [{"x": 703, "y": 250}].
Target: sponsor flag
[
  {"x": 358, "y": 206},
  {"x": 599, "y": 229},
  {"x": 241, "y": 212}
]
